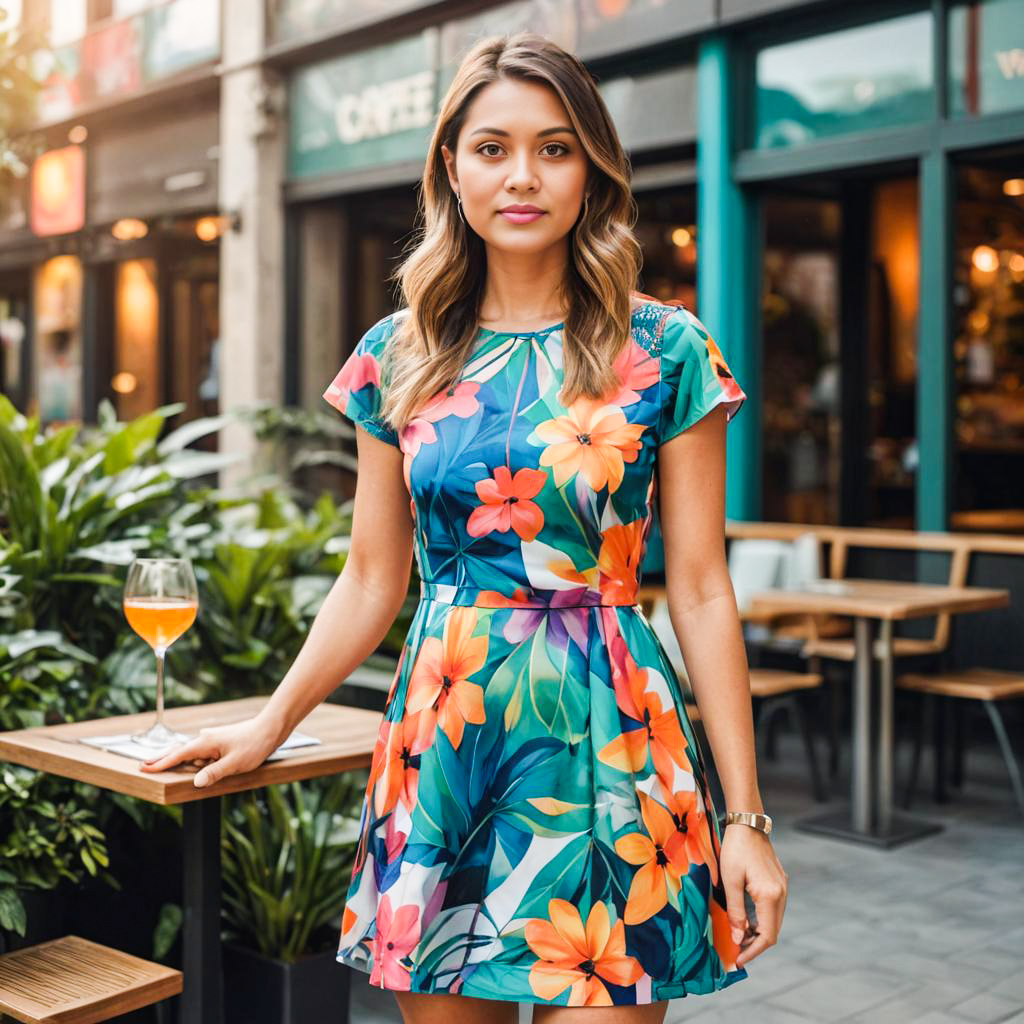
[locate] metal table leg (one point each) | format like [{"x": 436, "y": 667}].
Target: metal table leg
[
  {"x": 202, "y": 1001},
  {"x": 870, "y": 818}
]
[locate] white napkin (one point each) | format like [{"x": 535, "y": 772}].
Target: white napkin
[{"x": 124, "y": 744}]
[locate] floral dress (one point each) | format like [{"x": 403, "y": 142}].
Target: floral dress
[{"x": 538, "y": 825}]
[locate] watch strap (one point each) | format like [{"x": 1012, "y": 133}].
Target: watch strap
[{"x": 755, "y": 819}]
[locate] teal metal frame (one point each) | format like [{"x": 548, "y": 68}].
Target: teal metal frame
[{"x": 729, "y": 266}]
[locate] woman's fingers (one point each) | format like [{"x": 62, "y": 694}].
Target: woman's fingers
[
  {"x": 769, "y": 903},
  {"x": 202, "y": 747}
]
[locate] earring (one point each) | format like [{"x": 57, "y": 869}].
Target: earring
[{"x": 462, "y": 213}]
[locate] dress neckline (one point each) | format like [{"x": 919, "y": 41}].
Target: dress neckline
[{"x": 520, "y": 334}]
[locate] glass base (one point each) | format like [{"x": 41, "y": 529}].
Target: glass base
[{"x": 158, "y": 736}]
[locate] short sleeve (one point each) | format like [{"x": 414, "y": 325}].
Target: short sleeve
[
  {"x": 356, "y": 390},
  {"x": 694, "y": 376}
]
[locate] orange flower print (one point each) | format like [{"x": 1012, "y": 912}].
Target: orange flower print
[
  {"x": 619, "y": 561},
  {"x": 694, "y": 825},
  {"x": 662, "y": 857},
  {"x": 722, "y": 372},
  {"x": 592, "y": 439},
  {"x": 577, "y": 956},
  {"x": 721, "y": 936},
  {"x": 661, "y": 733},
  {"x": 398, "y": 933},
  {"x": 439, "y": 683},
  {"x": 506, "y": 504},
  {"x": 400, "y": 771}
]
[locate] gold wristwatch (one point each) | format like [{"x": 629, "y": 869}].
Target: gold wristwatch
[{"x": 755, "y": 819}]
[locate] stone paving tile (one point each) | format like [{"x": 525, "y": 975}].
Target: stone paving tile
[
  {"x": 832, "y": 997},
  {"x": 986, "y": 1007}
]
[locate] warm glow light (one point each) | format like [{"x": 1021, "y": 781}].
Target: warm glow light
[
  {"x": 1017, "y": 263},
  {"x": 78, "y": 134},
  {"x": 681, "y": 237},
  {"x": 209, "y": 229},
  {"x": 129, "y": 228},
  {"x": 1013, "y": 187},
  {"x": 985, "y": 258},
  {"x": 124, "y": 383}
]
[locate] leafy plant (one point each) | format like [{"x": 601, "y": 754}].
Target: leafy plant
[
  {"x": 76, "y": 506},
  {"x": 47, "y": 837},
  {"x": 287, "y": 855}
]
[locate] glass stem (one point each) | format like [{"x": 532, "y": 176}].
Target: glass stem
[{"x": 160, "y": 652}]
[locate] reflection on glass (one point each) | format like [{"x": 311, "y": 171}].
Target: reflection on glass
[
  {"x": 988, "y": 348},
  {"x": 800, "y": 375},
  {"x": 986, "y": 57},
  {"x": 857, "y": 79}
]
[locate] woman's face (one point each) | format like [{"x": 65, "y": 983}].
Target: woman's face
[{"x": 517, "y": 147}]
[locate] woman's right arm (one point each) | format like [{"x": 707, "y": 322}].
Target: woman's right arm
[{"x": 353, "y": 619}]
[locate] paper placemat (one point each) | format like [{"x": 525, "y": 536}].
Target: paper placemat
[{"x": 125, "y": 745}]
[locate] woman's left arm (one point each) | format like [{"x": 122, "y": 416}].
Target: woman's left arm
[{"x": 702, "y": 608}]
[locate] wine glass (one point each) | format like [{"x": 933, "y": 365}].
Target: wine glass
[{"x": 161, "y": 601}]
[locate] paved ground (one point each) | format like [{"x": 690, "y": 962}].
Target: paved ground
[{"x": 930, "y": 932}]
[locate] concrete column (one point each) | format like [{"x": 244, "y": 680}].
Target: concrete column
[{"x": 253, "y": 139}]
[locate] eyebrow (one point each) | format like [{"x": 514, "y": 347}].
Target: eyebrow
[{"x": 541, "y": 134}]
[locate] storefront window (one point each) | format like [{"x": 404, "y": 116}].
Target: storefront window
[
  {"x": 667, "y": 229},
  {"x": 136, "y": 383},
  {"x": 853, "y": 80},
  {"x": 800, "y": 379},
  {"x": 986, "y": 57},
  {"x": 58, "y": 332},
  {"x": 988, "y": 346}
]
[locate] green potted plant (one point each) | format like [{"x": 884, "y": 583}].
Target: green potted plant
[{"x": 287, "y": 854}]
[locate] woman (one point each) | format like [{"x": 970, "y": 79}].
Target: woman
[{"x": 538, "y": 825}]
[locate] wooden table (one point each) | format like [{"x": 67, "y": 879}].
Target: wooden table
[
  {"x": 869, "y": 817},
  {"x": 348, "y": 737}
]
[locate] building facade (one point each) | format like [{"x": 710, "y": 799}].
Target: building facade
[{"x": 837, "y": 190}]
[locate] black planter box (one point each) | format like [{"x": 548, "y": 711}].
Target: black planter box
[{"x": 258, "y": 990}]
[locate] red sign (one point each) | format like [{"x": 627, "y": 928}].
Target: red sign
[{"x": 58, "y": 192}]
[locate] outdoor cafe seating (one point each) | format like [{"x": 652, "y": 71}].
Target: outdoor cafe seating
[{"x": 781, "y": 555}]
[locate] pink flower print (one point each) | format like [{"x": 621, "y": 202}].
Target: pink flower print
[
  {"x": 636, "y": 370},
  {"x": 459, "y": 401},
  {"x": 397, "y": 936},
  {"x": 506, "y": 504},
  {"x": 357, "y": 372}
]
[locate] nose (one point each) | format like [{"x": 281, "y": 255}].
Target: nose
[{"x": 521, "y": 176}]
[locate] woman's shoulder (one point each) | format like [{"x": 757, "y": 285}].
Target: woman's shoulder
[{"x": 652, "y": 318}]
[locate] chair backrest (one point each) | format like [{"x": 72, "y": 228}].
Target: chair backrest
[
  {"x": 755, "y": 564},
  {"x": 802, "y": 561}
]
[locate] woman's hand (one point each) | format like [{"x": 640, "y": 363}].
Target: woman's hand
[
  {"x": 748, "y": 862},
  {"x": 221, "y": 750}
]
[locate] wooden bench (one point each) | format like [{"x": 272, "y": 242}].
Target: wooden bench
[{"x": 75, "y": 981}]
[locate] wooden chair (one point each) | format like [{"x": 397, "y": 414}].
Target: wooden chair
[
  {"x": 776, "y": 688},
  {"x": 75, "y": 981},
  {"x": 981, "y": 684}
]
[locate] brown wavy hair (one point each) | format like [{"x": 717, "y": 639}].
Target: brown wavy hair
[{"x": 443, "y": 277}]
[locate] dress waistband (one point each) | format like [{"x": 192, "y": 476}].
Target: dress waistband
[{"x": 526, "y": 597}]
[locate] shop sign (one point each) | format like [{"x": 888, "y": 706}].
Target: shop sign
[
  {"x": 364, "y": 110},
  {"x": 111, "y": 60},
  {"x": 58, "y": 192},
  {"x": 180, "y": 35},
  {"x": 121, "y": 58},
  {"x": 987, "y": 57}
]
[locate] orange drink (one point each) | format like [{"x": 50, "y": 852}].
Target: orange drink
[{"x": 160, "y": 620}]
